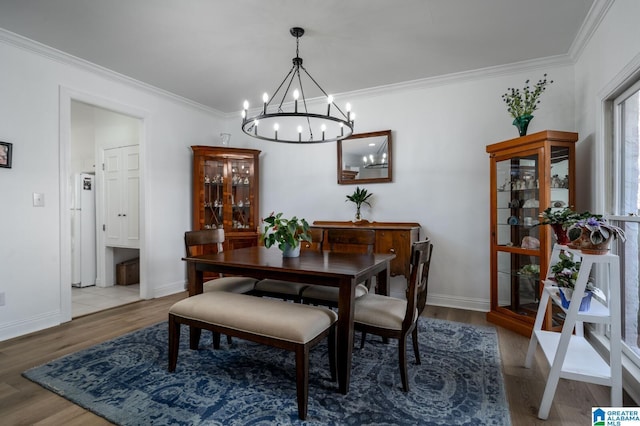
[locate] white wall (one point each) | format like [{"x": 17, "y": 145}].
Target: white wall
[
  {"x": 611, "y": 54},
  {"x": 441, "y": 169},
  {"x": 30, "y": 247}
]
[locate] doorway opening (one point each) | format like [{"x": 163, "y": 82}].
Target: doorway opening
[{"x": 93, "y": 132}]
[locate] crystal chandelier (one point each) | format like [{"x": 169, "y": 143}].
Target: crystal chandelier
[{"x": 298, "y": 124}]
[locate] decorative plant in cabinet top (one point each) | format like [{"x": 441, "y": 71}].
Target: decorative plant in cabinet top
[{"x": 522, "y": 103}]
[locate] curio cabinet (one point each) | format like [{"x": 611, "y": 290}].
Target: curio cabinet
[
  {"x": 528, "y": 175},
  {"x": 226, "y": 193}
]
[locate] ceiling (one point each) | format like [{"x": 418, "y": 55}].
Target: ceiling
[{"x": 219, "y": 53}]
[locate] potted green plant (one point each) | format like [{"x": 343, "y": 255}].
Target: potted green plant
[
  {"x": 359, "y": 197},
  {"x": 593, "y": 234},
  {"x": 565, "y": 274},
  {"x": 560, "y": 221},
  {"x": 286, "y": 233},
  {"x": 521, "y": 104}
]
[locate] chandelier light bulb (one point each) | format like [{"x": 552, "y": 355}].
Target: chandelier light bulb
[
  {"x": 323, "y": 127},
  {"x": 296, "y": 94},
  {"x": 255, "y": 127},
  {"x": 329, "y": 102},
  {"x": 265, "y": 99},
  {"x": 348, "y": 107},
  {"x": 276, "y": 127},
  {"x": 244, "y": 114},
  {"x": 299, "y": 133},
  {"x": 299, "y": 129},
  {"x": 245, "y": 105}
]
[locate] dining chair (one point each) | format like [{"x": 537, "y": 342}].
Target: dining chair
[
  {"x": 395, "y": 318},
  {"x": 288, "y": 290},
  {"x": 341, "y": 240},
  {"x": 210, "y": 241}
]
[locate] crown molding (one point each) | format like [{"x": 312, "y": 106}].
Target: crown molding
[
  {"x": 48, "y": 52},
  {"x": 466, "y": 76},
  {"x": 447, "y": 79},
  {"x": 596, "y": 14}
]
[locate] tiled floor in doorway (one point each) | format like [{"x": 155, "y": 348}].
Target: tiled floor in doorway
[{"x": 86, "y": 300}]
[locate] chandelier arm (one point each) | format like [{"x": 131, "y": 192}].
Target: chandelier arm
[
  {"x": 304, "y": 102},
  {"x": 284, "y": 94},
  {"x": 279, "y": 87},
  {"x": 321, "y": 89}
]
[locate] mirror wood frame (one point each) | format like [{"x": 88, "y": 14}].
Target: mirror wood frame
[{"x": 344, "y": 180}]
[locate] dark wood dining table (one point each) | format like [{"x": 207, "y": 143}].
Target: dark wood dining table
[{"x": 341, "y": 270}]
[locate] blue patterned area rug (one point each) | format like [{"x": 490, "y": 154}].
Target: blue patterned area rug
[{"x": 125, "y": 380}]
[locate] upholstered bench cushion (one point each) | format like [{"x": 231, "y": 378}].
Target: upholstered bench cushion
[
  {"x": 286, "y": 321},
  {"x": 381, "y": 311},
  {"x": 321, "y": 292},
  {"x": 280, "y": 287},
  {"x": 232, "y": 284}
]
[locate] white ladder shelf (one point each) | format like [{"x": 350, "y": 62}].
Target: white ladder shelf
[{"x": 569, "y": 355}]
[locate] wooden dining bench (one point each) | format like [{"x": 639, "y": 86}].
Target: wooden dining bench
[{"x": 290, "y": 326}]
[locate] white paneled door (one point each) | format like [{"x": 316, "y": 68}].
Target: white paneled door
[{"x": 122, "y": 195}]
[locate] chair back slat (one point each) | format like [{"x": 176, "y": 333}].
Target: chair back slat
[
  {"x": 196, "y": 241},
  {"x": 421, "y": 253},
  {"x": 351, "y": 240}
]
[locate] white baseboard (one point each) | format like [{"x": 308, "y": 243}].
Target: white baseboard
[
  {"x": 170, "y": 288},
  {"x": 469, "y": 304},
  {"x": 30, "y": 325}
]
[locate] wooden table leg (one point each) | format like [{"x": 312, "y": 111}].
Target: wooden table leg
[
  {"x": 194, "y": 286},
  {"x": 195, "y": 279},
  {"x": 345, "y": 333},
  {"x": 383, "y": 278}
]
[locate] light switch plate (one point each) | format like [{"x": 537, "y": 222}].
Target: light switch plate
[{"x": 38, "y": 199}]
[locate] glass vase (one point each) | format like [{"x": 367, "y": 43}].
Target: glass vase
[{"x": 522, "y": 123}]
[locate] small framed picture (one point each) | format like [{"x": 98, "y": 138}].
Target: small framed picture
[{"x": 5, "y": 154}]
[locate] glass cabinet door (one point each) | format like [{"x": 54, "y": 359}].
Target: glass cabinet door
[
  {"x": 517, "y": 216},
  {"x": 559, "y": 185},
  {"x": 241, "y": 194},
  {"x": 213, "y": 202}
]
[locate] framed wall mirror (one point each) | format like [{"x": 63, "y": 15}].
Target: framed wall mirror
[{"x": 365, "y": 158}]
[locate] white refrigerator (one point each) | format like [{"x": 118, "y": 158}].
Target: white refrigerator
[{"x": 83, "y": 230}]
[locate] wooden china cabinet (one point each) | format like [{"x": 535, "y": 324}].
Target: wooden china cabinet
[
  {"x": 528, "y": 175},
  {"x": 226, "y": 193}
]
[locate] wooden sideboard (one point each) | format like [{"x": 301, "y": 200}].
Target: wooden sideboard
[{"x": 391, "y": 237}]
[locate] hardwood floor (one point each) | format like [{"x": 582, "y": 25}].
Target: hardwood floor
[{"x": 23, "y": 402}]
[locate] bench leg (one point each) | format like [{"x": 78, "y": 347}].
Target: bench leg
[
  {"x": 302, "y": 379},
  {"x": 174, "y": 340},
  {"x": 216, "y": 340}
]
